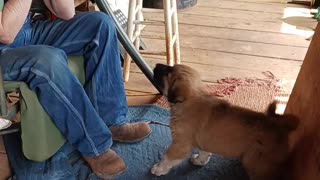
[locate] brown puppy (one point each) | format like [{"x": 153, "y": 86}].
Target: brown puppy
[{"x": 212, "y": 125}]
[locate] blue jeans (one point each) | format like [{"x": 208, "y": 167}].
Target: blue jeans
[{"x": 38, "y": 56}]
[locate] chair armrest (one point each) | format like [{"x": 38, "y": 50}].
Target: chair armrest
[
  {"x": 3, "y": 102},
  {"x": 7, "y": 113}
]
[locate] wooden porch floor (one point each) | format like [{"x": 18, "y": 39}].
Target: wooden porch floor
[{"x": 229, "y": 38}]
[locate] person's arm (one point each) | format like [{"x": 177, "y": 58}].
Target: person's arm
[
  {"x": 12, "y": 18},
  {"x": 63, "y": 9}
]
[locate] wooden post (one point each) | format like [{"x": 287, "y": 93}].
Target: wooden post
[
  {"x": 139, "y": 18},
  {"x": 5, "y": 171},
  {"x": 136, "y": 24},
  {"x": 304, "y": 102},
  {"x": 130, "y": 32},
  {"x": 168, "y": 30},
  {"x": 175, "y": 29}
]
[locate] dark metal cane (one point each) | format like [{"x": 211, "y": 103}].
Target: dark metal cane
[{"x": 127, "y": 44}]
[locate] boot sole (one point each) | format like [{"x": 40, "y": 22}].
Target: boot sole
[
  {"x": 105, "y": 176},
  {"x": 133, "y": 141}
]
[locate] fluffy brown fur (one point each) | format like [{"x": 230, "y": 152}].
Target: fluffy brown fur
[{"x": 212, "y": 125}]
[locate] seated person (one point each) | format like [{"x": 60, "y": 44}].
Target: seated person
[{"x": 91, "y": 116}]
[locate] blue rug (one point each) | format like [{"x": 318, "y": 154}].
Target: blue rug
[{"x": 67, "y": 163}]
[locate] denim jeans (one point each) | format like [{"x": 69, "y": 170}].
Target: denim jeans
[{"x": 38, "y": 56}]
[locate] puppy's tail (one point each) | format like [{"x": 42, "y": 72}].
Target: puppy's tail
[{"x": 288, "y": 122}]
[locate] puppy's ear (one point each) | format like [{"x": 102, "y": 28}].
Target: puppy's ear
[
  {"x": 174, "y": 96},
  {"x": 160, "y": 76}
]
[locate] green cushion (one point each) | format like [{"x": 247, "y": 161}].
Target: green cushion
[
  {"x": 40, "y": 137},
  {"x": 1, "y": 5},
  {"x": 76, "y": 65}
]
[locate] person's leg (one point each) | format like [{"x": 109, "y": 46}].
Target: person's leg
[
  {"x": 45, "y": 71},
  {"x": 93, "y": 35}
]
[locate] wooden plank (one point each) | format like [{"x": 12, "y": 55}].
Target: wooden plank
[
  {"x": 139, "y": 84},
  {"x": 264, "y": 1},
  {"x": 222, "y": 22},
  {"x": 232, "y": 46},
  {"x": 224, "y": 61},
  {"x": 211, "y": 72},
  {"x": 2, "y": 148},
  {"x": 259, "y": 7},
  {"x": 230, "y": 34},
  {"x": 251, "y": 15},
  {"x": 79, "y": 2},
  {"x": 5, "y": 171},
  {"x": 235, "y": 14},
  {"x": 133, "y": 93},
  {"x": 141, "y": 99},
  {"x": 282, "y": 69},
  {"x": 304, "y": 103},
  {"x": 280, "y": 2}
]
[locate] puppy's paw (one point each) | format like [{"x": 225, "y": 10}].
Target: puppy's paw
[
  {"x": 159, "y": 170},
  {"x": 198, "y": 160}
]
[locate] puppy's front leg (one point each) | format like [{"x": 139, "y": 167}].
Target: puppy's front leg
[
  {"x": 175, "y": 155},
  {"x": 201, "y": 159},
  {"x": 164, "y": 166}
]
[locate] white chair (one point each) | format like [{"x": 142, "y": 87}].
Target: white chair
[{"x": 136, "y": 23}]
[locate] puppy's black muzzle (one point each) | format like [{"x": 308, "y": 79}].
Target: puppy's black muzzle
[{"x": 159, "y": 72}]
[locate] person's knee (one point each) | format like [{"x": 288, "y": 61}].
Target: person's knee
[
  {"x": 100, "y": 18},
  {"x": 48, "y": 60}
]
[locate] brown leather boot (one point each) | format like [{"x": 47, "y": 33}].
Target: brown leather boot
[
  {"x": 107, "y": 165},
  {"x": 130, "y": 132}
]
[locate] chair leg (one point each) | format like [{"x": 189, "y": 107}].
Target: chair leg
[
  {"x": 135, "y": 18},
  {"x": 172, "y": 32},
  {"x": 168, "y": 31},
  {"x": 130, "y": 29},
  {"x": 176, "y": 45},
  {"x": 138, "y": 28}
]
